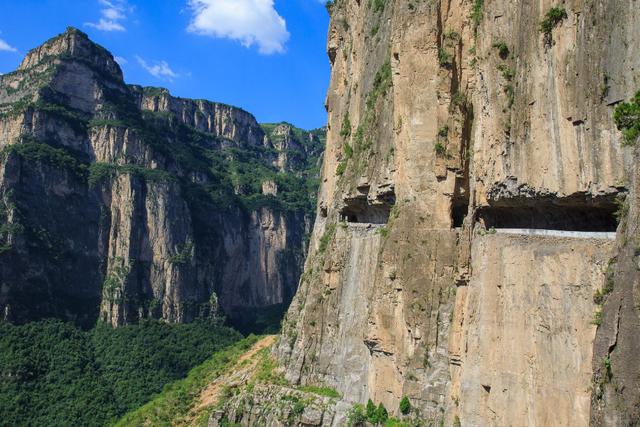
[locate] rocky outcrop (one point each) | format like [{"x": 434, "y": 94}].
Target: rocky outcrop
[
  {"x": 224, "y": 121},
  {"x": 616, "y": 366},
  {"x": 449, "y": 121},
  {"x": 294, "y": 148},
  {"x": 271, "y": 405},
  {"x": 122, "y": 202}
]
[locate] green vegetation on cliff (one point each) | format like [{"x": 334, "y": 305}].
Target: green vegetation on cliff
[
  {"x": 240, "y": 377},
  {"x": 54, "y": 374},
  {"x": 176, "y": 399},
  {"x": 552, "y": 18},
  {"x": 627, "y": 118},
  {"x": 55, "y": 156},
  {"x": 476, "y": 14},
  {"x": 405, "y": 405}
]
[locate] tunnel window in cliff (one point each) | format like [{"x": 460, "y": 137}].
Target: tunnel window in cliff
[
  {"x": 559, "y": 214},
  {"x": 459, "y": 212},
  {"x": 361, "y": 209},
  {"x": 460, "y": 200}
]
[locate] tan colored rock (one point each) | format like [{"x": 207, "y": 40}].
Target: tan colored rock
[
  {"x": 269, "y": 188},
  {"x": 524, "y": 335},
  {"x": 446, "y": 139},
  {"x": 222, "y": 120}
]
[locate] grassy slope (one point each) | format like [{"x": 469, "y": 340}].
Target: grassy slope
[
  {"x": 173, "y": 404},
  {"x": 231, "y": 374},
  {"x": 237, "y": 372}
]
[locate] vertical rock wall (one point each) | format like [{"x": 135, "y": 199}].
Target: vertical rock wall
[
  {"x": 523, "y": 330},
  {"x": 447, "y": 118},
  {"x": 616, "y": 365}
]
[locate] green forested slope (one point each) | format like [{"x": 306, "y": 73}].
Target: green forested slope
[{"x": 54, "y": 374}]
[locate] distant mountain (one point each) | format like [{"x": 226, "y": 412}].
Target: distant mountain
[{"x": 121, "y": 202}]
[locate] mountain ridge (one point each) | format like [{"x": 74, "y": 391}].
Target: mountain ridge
[{"x": 187, "y": 206}]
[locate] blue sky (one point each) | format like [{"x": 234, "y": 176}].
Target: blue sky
[{"x": 264, "y": 56}]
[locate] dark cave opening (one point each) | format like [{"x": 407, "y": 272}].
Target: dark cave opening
[
  {"x": 365, "y": 211},
  {"x": 550, "y": 216},
  {"x": 366, "y": 214},
  {"x": 459, "y": 212}
]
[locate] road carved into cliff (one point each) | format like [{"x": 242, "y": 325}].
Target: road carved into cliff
[{"x": 558, "y": 233}]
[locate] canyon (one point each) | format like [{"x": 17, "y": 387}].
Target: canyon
[
  {"x": 473, "y": 260},
  {"x": 120, "y": 202}
]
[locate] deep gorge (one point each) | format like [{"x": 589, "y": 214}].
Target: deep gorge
[{"x": 459, "y": 246}]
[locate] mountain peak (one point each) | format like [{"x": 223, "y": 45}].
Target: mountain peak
[
  {"x": 73, "y": 31},
  {"x": 74, "y": 45}
]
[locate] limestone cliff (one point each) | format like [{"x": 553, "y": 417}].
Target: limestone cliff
[
  {"x": 123, "y": 202},
  {"x": 616, "y": 365},
  {"x": 471, "y": 192}
]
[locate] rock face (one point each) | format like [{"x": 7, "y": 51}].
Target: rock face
[
  {"x": 276, "y": 406},
  {"x": 122, "y": 202},
  {"x": 523, "y": 334},
  {"x": 450, "y": 122},
  {"x": 616, "y": 365}
]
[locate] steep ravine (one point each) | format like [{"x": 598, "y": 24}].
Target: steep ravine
[
  {"x": 472, "y": 186},
  {"x": 120, "y": 202}
]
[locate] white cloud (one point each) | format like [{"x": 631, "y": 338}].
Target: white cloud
[
  {"x": 106, "y": 25},
  {"x": 159, "y": 70},
  {"x": 248, "y": 21},
  {"x": 113, "y": 13},
  {"x": 4, "y": 46},
  {"x": 121, "y": 60}
]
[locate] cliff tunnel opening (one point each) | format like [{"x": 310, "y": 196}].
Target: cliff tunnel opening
[
  {"x": 460, "y": 200},
  {"x": 586, "y": 217},
  {"x": 459, "y": 211},
  {"x": 365, "y": 211}
]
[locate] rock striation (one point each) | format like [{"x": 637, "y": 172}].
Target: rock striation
[{"x": 122, "y": 202}]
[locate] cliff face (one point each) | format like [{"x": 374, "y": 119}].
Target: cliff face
[
  {"x": 467, "y": 211},
  {"x": 616, "y": 366},
  {"x": 122, "y": 202}
]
